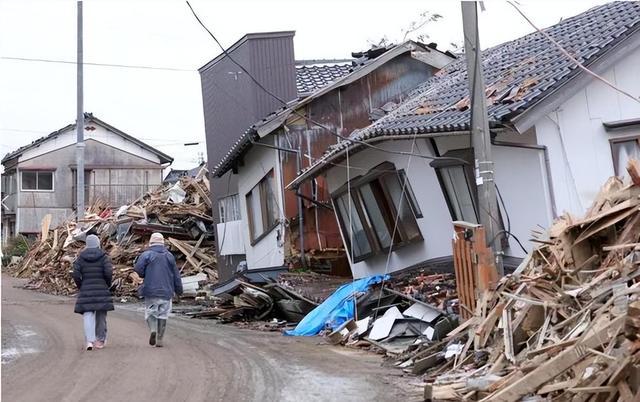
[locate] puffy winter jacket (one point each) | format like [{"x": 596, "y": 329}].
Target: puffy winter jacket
[
  {"x": 161, "y": 276},
  {"x": 92, "y": 273}
]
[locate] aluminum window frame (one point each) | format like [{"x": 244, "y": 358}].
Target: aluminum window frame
[
  {"x": 386, "y": 207},
  {"x": 268, "y": 227},
  {"x": 38, "y": 172},
  {"x": 614, "y": 156}
]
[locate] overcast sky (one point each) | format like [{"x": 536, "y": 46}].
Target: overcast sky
[{"x": 164, "y": 108}]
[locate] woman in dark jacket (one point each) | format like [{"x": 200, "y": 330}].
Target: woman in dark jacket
[{"x": 92, "y": 273}]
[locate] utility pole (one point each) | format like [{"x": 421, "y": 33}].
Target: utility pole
[
  {"x": 79, "y": 126},
  {"x": 480, "y": 134}
]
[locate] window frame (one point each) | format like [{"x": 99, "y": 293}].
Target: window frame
[
  {"x": 388, "y": 210},
  {"x": 38, "y": 172},
  {"x": 267, "y": 227},
  {"x": 222, "y": 212},
  {"x": 614, "y": 156}
]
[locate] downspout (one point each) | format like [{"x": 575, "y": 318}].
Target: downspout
[
  {"x": 300, "y": 209},
  {"x": 298, "y": 195},
  {"x": 547, "y": 164}
]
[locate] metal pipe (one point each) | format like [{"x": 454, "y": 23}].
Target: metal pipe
[
  {"x": 547, "y": 164},
  {"x": 300, "y": 211}
]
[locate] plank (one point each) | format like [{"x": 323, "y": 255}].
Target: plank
[{"x": 557, "y": 365}]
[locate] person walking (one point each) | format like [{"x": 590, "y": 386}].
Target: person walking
[
  {"x": 157, "y": 266},
  {"x": 92, "y": 273}
]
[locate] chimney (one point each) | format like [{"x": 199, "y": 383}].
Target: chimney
[{"x": 232, "y": 101}]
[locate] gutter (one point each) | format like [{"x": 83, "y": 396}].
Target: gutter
[
  {"x": 321, "y": 165},
  {"x": 547, "y": 163}
]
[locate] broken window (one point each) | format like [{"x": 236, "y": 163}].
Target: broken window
[
  {"x": 375, "y": 205},
  {"x": 229, "y": 208},
  {"x": 262, "y": 209},
  {"x": 37, "y": 181},
  {"x": 622, "y": 150}
]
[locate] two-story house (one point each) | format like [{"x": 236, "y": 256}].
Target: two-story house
[
  {"x": 40, "y": 178},
  {"x": 272, "y": 228}
]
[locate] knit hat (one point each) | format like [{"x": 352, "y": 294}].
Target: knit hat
[
  {"x": 156, "y": 238},
  {"x": 92, "y": 241}
]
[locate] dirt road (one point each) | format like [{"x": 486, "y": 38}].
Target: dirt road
[{"x": 43, "y": 360}]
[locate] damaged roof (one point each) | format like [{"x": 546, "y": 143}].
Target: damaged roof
[
  {"x": 363, "y": 63},
  {"x": 88, "y": 118},
  {"x": 518, "y": 74},
  {"x": 310, "y": 78}
]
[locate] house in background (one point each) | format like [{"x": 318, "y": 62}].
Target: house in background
[
  {"x": 557, "y": 135},
  {"x": 40, "y": 178},
  {"x": 174, "y": 175},
  {"x": 269, "y": 220}
]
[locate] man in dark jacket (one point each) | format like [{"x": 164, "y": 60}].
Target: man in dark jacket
[
  {"x": 161, "y": 280},
  {"x": 92, "y": 273}
]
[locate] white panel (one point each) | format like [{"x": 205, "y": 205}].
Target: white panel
[
  {"x": 435, "y": 226},
  {"x": 268, "y": 251},
  {"x": 99, "y": 134},
  {"x": 230, "y": 237},
  {"x": 521, "y": 178}
]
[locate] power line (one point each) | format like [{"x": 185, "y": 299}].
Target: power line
[
  {"x": 97, "y": 64},
  {"x": 302, "y": 116},
  {"x": 570, "y": 57}
]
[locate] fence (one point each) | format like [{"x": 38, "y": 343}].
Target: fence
[{"x": 115, "y": 194}]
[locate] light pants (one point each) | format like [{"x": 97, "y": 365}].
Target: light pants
[
  {"x": 156, "y": 309},
  {"x": 95, "y": 326}
]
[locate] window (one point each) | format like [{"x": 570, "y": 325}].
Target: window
[
  {"x": 37, "y": 181},
  {"x": 459, "y": 189},
  {"x": 372, "y": 207},
  {"x": 456, "y": 180},
  {"x": 262, "y": 208},
  {"x": 622, "y": 150},
  {"x": 229, "y": 208}
]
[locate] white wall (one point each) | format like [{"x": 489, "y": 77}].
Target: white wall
[
  {"x": 520, "y": 175},
  {"x": 579, "y": 147},
  {"x": 100, "y": 134},
  {"x": 435, "y": 225},
  {"x": 269, "y": 251}
]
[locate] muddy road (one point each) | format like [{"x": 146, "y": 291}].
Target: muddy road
[{"x": 43, "y": 360}]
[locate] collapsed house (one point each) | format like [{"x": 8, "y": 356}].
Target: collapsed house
[
  {"x": 556, "y": 132},
  {"x": 181, "y": 212},
  {"x": 270, "y": 227}
]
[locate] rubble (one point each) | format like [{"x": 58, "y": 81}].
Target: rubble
[
  {"x": 181, "y": 212},
  {"x": 563, "y": 326}
]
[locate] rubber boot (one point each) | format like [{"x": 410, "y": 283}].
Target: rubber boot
[
  {"x": 162, "y": 325},
  {"x": 152, "y": 322}
]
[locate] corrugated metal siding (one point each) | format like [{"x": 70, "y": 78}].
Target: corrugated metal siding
[{"x": 232, "y": 102}]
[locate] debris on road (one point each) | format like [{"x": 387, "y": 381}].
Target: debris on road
[{"x": 181, "y": 212}]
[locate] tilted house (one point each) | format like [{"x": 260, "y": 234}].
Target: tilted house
[
  {"x": 272, "y": 152},
  {"x": 40, "y": 178},
  {"x": 557, "y": 134}
]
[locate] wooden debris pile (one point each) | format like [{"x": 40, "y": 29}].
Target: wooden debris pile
[
  {"x": 244, "y": 302},
  {"x": 564, "y": 326},
  {"x": 182, "y": 212}
]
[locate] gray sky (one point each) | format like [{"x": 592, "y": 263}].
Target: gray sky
[{"x": 164, "y": 108}]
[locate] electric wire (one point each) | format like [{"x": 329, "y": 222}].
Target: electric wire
[
  {"x": 98, "y": 64},
  {"x": 350, "y": 140},
  {"x": 570, "y": 57}
]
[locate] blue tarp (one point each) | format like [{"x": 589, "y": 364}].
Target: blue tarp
[{"x": 336, "y": 310}]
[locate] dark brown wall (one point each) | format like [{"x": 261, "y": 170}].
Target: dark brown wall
[{"x": 351, "y": 105}]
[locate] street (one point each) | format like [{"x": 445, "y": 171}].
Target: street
[{"x": 43, "y": 360}]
